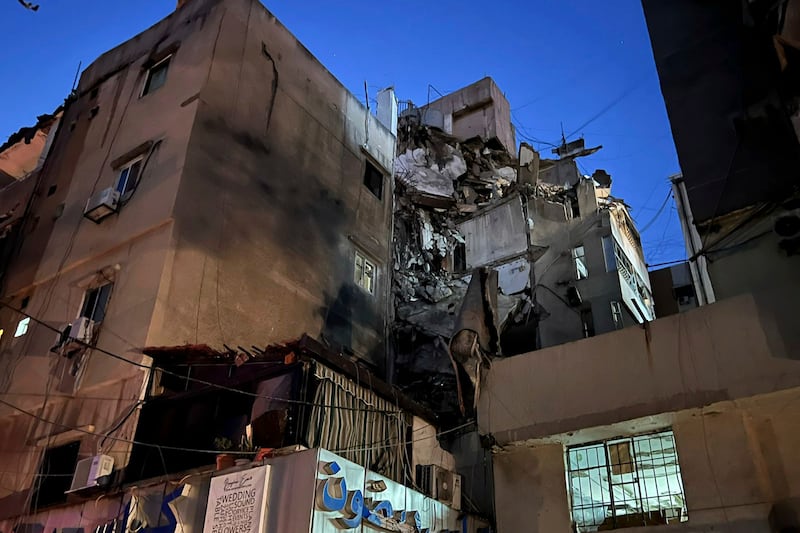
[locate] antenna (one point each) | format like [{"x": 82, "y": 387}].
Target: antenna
[{"x": 77, "y": 73}]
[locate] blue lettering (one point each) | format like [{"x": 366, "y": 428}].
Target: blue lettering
[
  {"x": 353, "y": 510},
  {"x": 332, "y": 494},
  {"x": 380, "y": 511},
  {"x": 331, "y": 468}
]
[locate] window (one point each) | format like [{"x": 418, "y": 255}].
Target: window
[
  {"x": 579, "y": 255},
  {"x": 373, "y": 179},
  {"x": 156, "y": 76},
  {"x": 616, "y": 315},
  {"x": 626, "y": 482},
  {"x": 460, "y": 257},
  {"x": 55, "y": 475},
  {"x": 129, "y": 176},
  {"x": 22, "y": 327},
  {"x": 609, "y": 252},
  {"x": 364, "y": 273},
  {"x": 95, "y": 302},
  {"x": 587, "y": 320}
]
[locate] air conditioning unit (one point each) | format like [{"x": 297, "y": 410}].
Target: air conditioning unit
[
  {"x": 786, "y": 225},
  {"x": 440, "y": 484},
  {"x": 101, "y": 205},
  {"x": 89, "y": 471},
  {"x": 81, "y": 330}
]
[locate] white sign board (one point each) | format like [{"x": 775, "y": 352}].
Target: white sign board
[{"x": 237, "y": 502}]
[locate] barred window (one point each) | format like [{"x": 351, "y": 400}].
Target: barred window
[{"x": 626, "y": 482}]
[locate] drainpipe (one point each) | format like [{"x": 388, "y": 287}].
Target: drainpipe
[{"x": 699, "y": 265}]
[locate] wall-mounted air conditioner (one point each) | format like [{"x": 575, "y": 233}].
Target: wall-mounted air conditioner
[
  {"x": 440, "y": 484},
  {"x": 102, "y": 204},
  {"x": 89, "y": 471},
  {"x": 81, "y": 330},
  {"x": 74, "y": 337}
]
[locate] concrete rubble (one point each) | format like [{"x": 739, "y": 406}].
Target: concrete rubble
[
  {"x": 464, "y": 206},
  {"x": 440, "y": 181}
]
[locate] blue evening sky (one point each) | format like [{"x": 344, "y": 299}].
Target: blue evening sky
[{"x": 586, "y": 65}]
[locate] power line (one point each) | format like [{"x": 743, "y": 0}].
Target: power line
[
  {"x": 667, "y": 263},
  {"x": 658, "y": 213},
  {"x": 197, "y": 380},
  {"x": 610, "y": 105},
  {"x": 118, "y": 439},
  {"x": 200, "y": 450}
]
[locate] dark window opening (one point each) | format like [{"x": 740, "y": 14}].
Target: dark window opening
[
  {"x": 25, "y": 302},
  {"x": 94, "y": 92},
  {"x": 588, "y": 322},
  {"x": 207, "y": 418},
  {"x": 373, "y": 179},
  {"x": 52, "y": 190},
  {"x": 460, "y": 257},
  {"x": 55, "y": 475},
  {"x": 156, "y": 76},
  {"x": 95, "y": 303},
  {"x": 575, "y": 207}
]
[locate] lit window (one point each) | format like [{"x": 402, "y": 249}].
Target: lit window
[
  {"x": 579, "y": 255},
  {"x": 156, "y": 76},
  {"x": 22, "y": 327},
  {"x": 364, "y": 275},
  {"x": 373, "y": 179},
  {"x": 610, "y": 253},
  {"x": 95, "y": 302},
  {"x": 1, "y": 334},
  {"x": 129, "y": 176},
  {"x": 626, "y": 482},
  {"x": 616, "y": 314}
]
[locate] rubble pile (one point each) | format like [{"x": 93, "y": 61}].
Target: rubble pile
[
  {"x": 440, "y": 180},
  {"x": 436, "y": 170}
]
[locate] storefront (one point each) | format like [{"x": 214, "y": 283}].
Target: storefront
[
  {"x": 309, "y": 491},
  {"x": 317, "y": 491}
]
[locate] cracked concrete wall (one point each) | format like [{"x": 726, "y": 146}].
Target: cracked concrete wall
[
  {"x": 478, "y": 110},
  {"x": 495, "y": 235}
]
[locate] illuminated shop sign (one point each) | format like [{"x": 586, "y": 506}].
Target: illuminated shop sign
[{"x": 355, "y": 510}]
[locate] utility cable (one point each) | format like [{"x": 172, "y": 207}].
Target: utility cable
[
  {"x": 658, "y": 214},
  {"x": 200, "y": 450},
  {"x": 193, "y": 379},
  {"x": 610, "y": 105}
]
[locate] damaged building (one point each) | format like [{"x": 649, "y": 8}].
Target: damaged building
[
  {"x": 206, "y": 226},
  {"x": 558, "y": 257}
]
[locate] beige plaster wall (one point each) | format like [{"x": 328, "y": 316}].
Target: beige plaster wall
[
  {"x": 737, "y": 460},
  {"x": 733, "y": 349}
]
